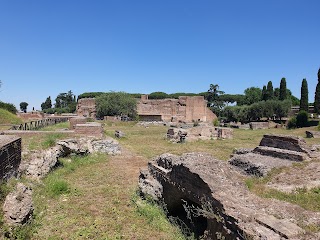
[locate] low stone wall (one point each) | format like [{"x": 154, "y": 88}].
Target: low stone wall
[
  {"x": 89, "y": 129},
  {"x": 10, "y": 156},
  {"x": 76, "y": 120},
  {"x": 259, "y": 125}
]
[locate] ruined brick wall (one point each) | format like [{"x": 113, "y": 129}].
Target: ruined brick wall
[
  {"x": 86, "y": 107},
  {"x": 89, "y": 129},
  {"x": 31, "y": 116},
  {"x": 10, "y": 156},
  {"x": 186, "y": 109},
  {"x": 76, "y": 120}
]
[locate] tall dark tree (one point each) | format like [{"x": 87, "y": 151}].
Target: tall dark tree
[
  {"x": 23, "y": 106},
  {"x": 304, "y": 96},
  {"x": 269, "y": 92},
  {"x": 47, "y": 104},
  {"x": 264, "y": 93},
  {"x": 317, "y": 96},
  {"x": 283, "y": 89}
]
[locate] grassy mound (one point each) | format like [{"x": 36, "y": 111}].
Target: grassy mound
[{"x": 7, "y": 117}]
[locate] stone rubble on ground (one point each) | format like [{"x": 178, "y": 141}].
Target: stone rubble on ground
[
  {"x": 18, "y": 206},
  {"x": 215, "y": 191}
]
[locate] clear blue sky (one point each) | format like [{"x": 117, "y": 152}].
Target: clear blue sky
[{"x": 140, "y": 46}]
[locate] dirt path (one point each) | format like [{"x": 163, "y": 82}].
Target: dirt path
[{"x": 102, "y": 207}]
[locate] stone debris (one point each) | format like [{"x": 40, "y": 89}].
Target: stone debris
[
  {"x": 209, "y": 196},
  {"x": 18, "y": 207},
  {"x": 313, "y": 134},
  {"x": 43, "y": 162},
  {"x": 119, "y": 134},
  {"x": 274, "y": 151},
  {"x": 202, "y": 132}
]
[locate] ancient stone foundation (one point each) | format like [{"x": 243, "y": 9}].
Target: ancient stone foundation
[
  {"x": 209, "y": 196},
  {"x": 198, "y": 133},
  {"x": 76, "y": 120},
  {"x": 273, "y": 151},
  {"x": 10, "y": 156},
  {"x": 92, "y": 129}
]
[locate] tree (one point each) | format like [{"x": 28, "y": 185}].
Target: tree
[
  {"x": 47, "y": 104},
  {"x": 116, "y": 104},
  {"x": 252, "y": 95},
  {"x": 317, "y": 96},
  {"x": 66, "y": 101},
  {"x": 214, "y": 102},
  {"x": 304, "y": 104},
  {"x": 283, "y": 89},
  {"x": 264, "y": 93},
  {"x": 23, "y": 106},
  {"x": 269, "y": 92},
  {"x": 158, "y": 95}
]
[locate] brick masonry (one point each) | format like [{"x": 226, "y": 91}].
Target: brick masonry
[
  {"x": 89, "y": 129},
  {"x": 10, "y": 156},
  {"x": 76, "y": 120},
  {"x": 184, "y": 109},
  {"x": 86, "y": 107}
]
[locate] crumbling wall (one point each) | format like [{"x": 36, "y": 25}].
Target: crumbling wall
[
  {"x": 184, "y": 109},
  {"x": 10, "y": 156},
  {"x": 86, "y": 107}
]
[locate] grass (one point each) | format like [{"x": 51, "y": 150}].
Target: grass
[
  {"x": 7, "y": 117},
  {"x": 307, "y": 199},
  {"x": 94, "y": 197},
  {"x": 58, "y": 126},
  {"x": 93, "y": 200}
]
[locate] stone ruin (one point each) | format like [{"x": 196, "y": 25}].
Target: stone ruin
[
  {"x": 274, "y": 151},
  {"x": 18, "y": 206},
  {"x": 86, "y": 107},
  {"x": 10, "y": 156},
  {"x": 209, "y": 196},
  {"x": 90, "y": 129},
  {"x": 198, "y": 133}
]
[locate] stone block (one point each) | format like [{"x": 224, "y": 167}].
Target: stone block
[{"x": 10, "y": 156}]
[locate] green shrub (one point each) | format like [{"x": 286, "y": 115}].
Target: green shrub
[
  {"x": 292, "y": 123},
  {"x": 319, "y": 126},
  {"x": 216, "y": 122},
  {"x": 302, "y": 119}
]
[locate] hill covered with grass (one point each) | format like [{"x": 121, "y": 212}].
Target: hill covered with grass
[{"x": 7, "y": 117}]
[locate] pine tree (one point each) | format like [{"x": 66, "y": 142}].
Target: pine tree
[
  {"x": 283, "y": 89},
  {"x": 269, "y": 92},
  {"x": 317, "y": 96},
  {"x": 304, "y": 96}
]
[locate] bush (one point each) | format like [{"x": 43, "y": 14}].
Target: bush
[
  {"x": 216, "y": 122},
  {"x": 302, "y": 119},
  {"x": 292, "y": 123},
  {"x": 9, "y": 107},
  {"x": 319, "y": 126}
]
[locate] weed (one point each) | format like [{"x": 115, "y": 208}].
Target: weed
[{"x": 50, "y": 140}]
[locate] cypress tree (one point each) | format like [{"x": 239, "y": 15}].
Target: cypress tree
[
  {"x": 283, "y": 89},
  {"x": 317, "y": 96},
  {"x": 264, "y": 93},
  {"x": 304, "y": 96},
  {"x": 269, "y": 91}
]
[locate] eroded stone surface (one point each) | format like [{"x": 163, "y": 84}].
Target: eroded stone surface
[
  {"x": 210, "y": 189},
  {"x": 18, "y": 205},
  {"x": 274, "y": 151}
]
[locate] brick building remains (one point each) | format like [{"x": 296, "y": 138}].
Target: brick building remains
[
  {"x": 185, "y": 109},
  {"x": 86, "y": 107}
]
